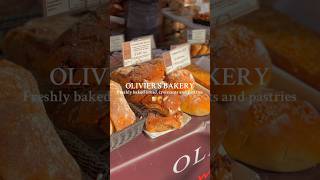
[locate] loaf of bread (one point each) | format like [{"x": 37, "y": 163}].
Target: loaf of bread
[
  {"x": 238, "y": 53},
  {"x": 157, "y": 123},
  {"x": 196, "y": 103},
  {"x": 181, "y": 76},
  {"x": 68, "y": 41},
  {"x": 274, "y": 134},
  {"x": 121, "y": 114},
  {"x": 292, "y": 46},
  {"x": 30, "y": 148},
  {"x": 151, "y": 71},
  {"x": 202, "y": 77}
]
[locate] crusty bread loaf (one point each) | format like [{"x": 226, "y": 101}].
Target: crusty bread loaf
[
  {"x": 121, "y": 114},
  {"x": 236, "y": 49},
  {"x": 196, "y": 103},
  {"x": 202, "y": 77},
  {"x": 181, "y": 76},
  {"x": 292, "y": 46},
  {"x": 157, "y": 123},
  {"x": 30, "y": 147},
  {"x": 69, "y": 41},
  {"x": 151, "y": 71},
  {"x": 274, "y": 134}
]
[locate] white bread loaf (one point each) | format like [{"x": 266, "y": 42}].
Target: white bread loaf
[{"x": 30, "y": 148}]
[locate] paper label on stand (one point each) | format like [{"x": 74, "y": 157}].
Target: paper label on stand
[
  {"x": 116, "y": 42},
  {"x": 136, "y": 51},
  {"x": 197, "y": 36},
  {"x": 227, "y": 10},
  {"x": 177, "y": 58},
  {"x": 204, "y": 8},
  {"x": 153, "y": 43},
  {"x": 54, "y": 7}
]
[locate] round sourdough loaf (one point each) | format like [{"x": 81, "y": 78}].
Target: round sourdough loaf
[
  {"x": 197, "y": 103},
  {"x": 30, "y": 148},
  {"x": 238, "y": 59},
  {"x": 281, "y": 136}
]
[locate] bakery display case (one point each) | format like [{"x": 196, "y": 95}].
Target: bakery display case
[{"x": 278, "y": 40}]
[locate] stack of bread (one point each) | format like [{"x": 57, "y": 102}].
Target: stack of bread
[
  {"x": 267, "y": 129},
  {"x": 165, "y": 106}
]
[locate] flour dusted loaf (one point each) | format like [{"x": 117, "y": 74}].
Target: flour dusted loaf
[
  {"x": 30, "y": 148},
  {"x": 70, "y": 41},
  {"x": 121, "y": 114},
  {"x": 274, "y": 134}
]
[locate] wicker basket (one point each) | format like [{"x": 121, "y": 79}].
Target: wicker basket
[
  {"x": 91, "y": 162},
  {"x": 122, "y": 137}
]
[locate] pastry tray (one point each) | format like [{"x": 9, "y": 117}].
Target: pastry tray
[{"x": 122, "y": 137}]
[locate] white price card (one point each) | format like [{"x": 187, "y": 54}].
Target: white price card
[
  {"x": 197, "y": 36},
  {"x": 204, "y": 8},
  {"x": 153, "y": 43},
  {"x": 136, "y": 51},
  {"x": 177, "y": 58},
  {"x": 116, "y": 42}
]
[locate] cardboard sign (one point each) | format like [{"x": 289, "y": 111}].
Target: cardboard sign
[
  {"x": 197, "y": 36},
  {"x": 116, "y": 42},
  {"x": 153, "y": 43},
  {"x": 227, "y": 10},
  {"x": 54, "y": 7},
  {"x": 136, "y": 51},
  {"x": 177, "y": 58}
]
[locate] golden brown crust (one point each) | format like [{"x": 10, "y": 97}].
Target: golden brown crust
[
  {"x": 151, "y": 71},
  {"x": 181, "y": 76},
  {"x": 196, "y": 103},
  {"x": 202, "y": 77},
  {"x": 157, "y": 123},
  {"x": 30, "y": 147},
  {"x": 292, "y": 46},
  {"x": 278, "y": 136},
  {"x": 121, "y": 114},
  {"x": 236, "y": 47}
]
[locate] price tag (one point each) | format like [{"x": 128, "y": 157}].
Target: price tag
[
  {"x": 227, "y": 10},
  {"x": 116, "y": 42},
  {"x": 197, "y": 36},
  {"x": 136, "y": 51},
  {"x": 153, "y": 43},
  {"x": 204, "y": 8},
  {"x": 177, "y": 58}
]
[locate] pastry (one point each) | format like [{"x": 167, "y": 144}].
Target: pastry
[
  {"x": 157, "y": 123},
  {"x": 151, "y": 71}
]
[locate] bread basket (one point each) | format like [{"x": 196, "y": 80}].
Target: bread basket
[{"x": 122, "y": 137}]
